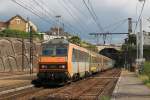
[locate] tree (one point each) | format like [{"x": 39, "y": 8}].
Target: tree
[
  {"x": 129, "y": 50},
  {"x": 75, "y": 40},
  {"x": 132, "y": 39}
]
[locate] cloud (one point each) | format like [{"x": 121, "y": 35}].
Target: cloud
[{"x": 108, "y": 11}]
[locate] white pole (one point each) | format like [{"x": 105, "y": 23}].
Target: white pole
[{"x": 137, "y": 48}]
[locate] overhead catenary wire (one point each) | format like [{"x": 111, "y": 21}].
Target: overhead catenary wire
[
  {"x": 92, "y": 9},
  {"x": 110, "y": 26},
  {"x": 73, "y": 16},
  {"x": 119, "y": 25},
  {"x": 138, "y": 20},
  {"x": 96, "y": 17},
  {"x": 75, "y": 12},
  {"x": 50, "y": 15},
  {"x": 43, "y": 8},
  {"x": 93, "y": 16},
  {"x": 78, "y": 9},
  {"x": 34, "y": 11},
  {"x": 115, "y": 28},
  {"x": 64, "y": 23},
  {"x": 37, "y": 12},
  {"x": 53, "y": 17}
]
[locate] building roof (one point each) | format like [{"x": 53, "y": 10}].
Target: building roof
[
  {"x": 30, "y": 22},
  {"x": 3, "y": 24},
  {"x": 15, "y": 17}
]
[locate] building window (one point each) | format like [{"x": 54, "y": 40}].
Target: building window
[{"x": 18, "y": 21}]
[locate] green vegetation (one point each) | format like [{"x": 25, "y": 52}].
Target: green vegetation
[
  {"x": 146, "y": 69},
  {"x": 145, "y": 76},
  {"x": 131, "y": 40},
  {"x": 128, "y": 53},
  {"x": 129, "y": 50},
  {"x": 18, "y": 34},
  {"x": 105, "y": 98},
  {"x": 76, "y": 40}
]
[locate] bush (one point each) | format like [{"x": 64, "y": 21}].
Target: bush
[
  {"x": 18, "y": 34},
  {"x": 146, "y": 69}
]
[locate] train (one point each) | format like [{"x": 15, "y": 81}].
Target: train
[{"x": 62, "y": 62}]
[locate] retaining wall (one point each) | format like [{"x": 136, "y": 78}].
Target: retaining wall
[{"x": 14, "y": 51}]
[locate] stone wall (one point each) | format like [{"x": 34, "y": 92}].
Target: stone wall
[{"x": 12, "y": 55}]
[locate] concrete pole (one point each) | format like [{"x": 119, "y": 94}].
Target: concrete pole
[
  {"x": 141, "y": 47},
  {"x": 129, "y": 25},
  {"x": 137, "y": 48},
  {"x": 141, "y": 40}
]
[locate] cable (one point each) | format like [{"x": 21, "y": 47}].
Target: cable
[
  {"x": 43, "y": 3},
  {"x": 46, "y": 5},
  {"x": 74, "y": 11},
  {"x": 81, "y": 12},
  {"x": 119, "y": 25},
  {"x": 139, "y": 16},
  {"x": 70, "y": 13},
  {"x": 93, "y": 17},
  {"x": 115, "y": 23},
  {"x": 70, "y": 26},
  {"x": 92, "y": 9},
  {"x": 31, "y": 11}
]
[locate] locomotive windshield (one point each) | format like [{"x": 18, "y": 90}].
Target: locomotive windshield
[
  {"x": 54, "y": 50},
  {"x": 56, "y": 47}
]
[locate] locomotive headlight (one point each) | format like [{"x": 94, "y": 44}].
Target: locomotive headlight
[
  {"x": 43, "y": 66},
  {"x": 62, "y": 66}
]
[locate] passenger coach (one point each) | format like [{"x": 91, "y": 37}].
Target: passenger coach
[{"x": 62, "y": 61}]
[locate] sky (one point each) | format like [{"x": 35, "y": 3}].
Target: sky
[{"x": 111, "y": 15}]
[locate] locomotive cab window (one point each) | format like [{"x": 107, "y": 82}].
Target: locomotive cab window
[
  {"x": 62, "y": 51},
  {"x": 55, "y": 50},
  {"x": 47, "y": 51}
]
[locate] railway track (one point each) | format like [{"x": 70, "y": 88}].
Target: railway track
[
  {"x": 92, "y": 88},
  {"x": 16, "y": 94}
]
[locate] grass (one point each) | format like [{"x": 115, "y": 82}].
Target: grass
[
  {"x": 145, "y": 80},
  {"x": 145, "y": 76},
  {"x": 105, "y": 98}
]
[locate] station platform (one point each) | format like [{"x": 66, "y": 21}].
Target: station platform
[{"x": 130, "y": 87}]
